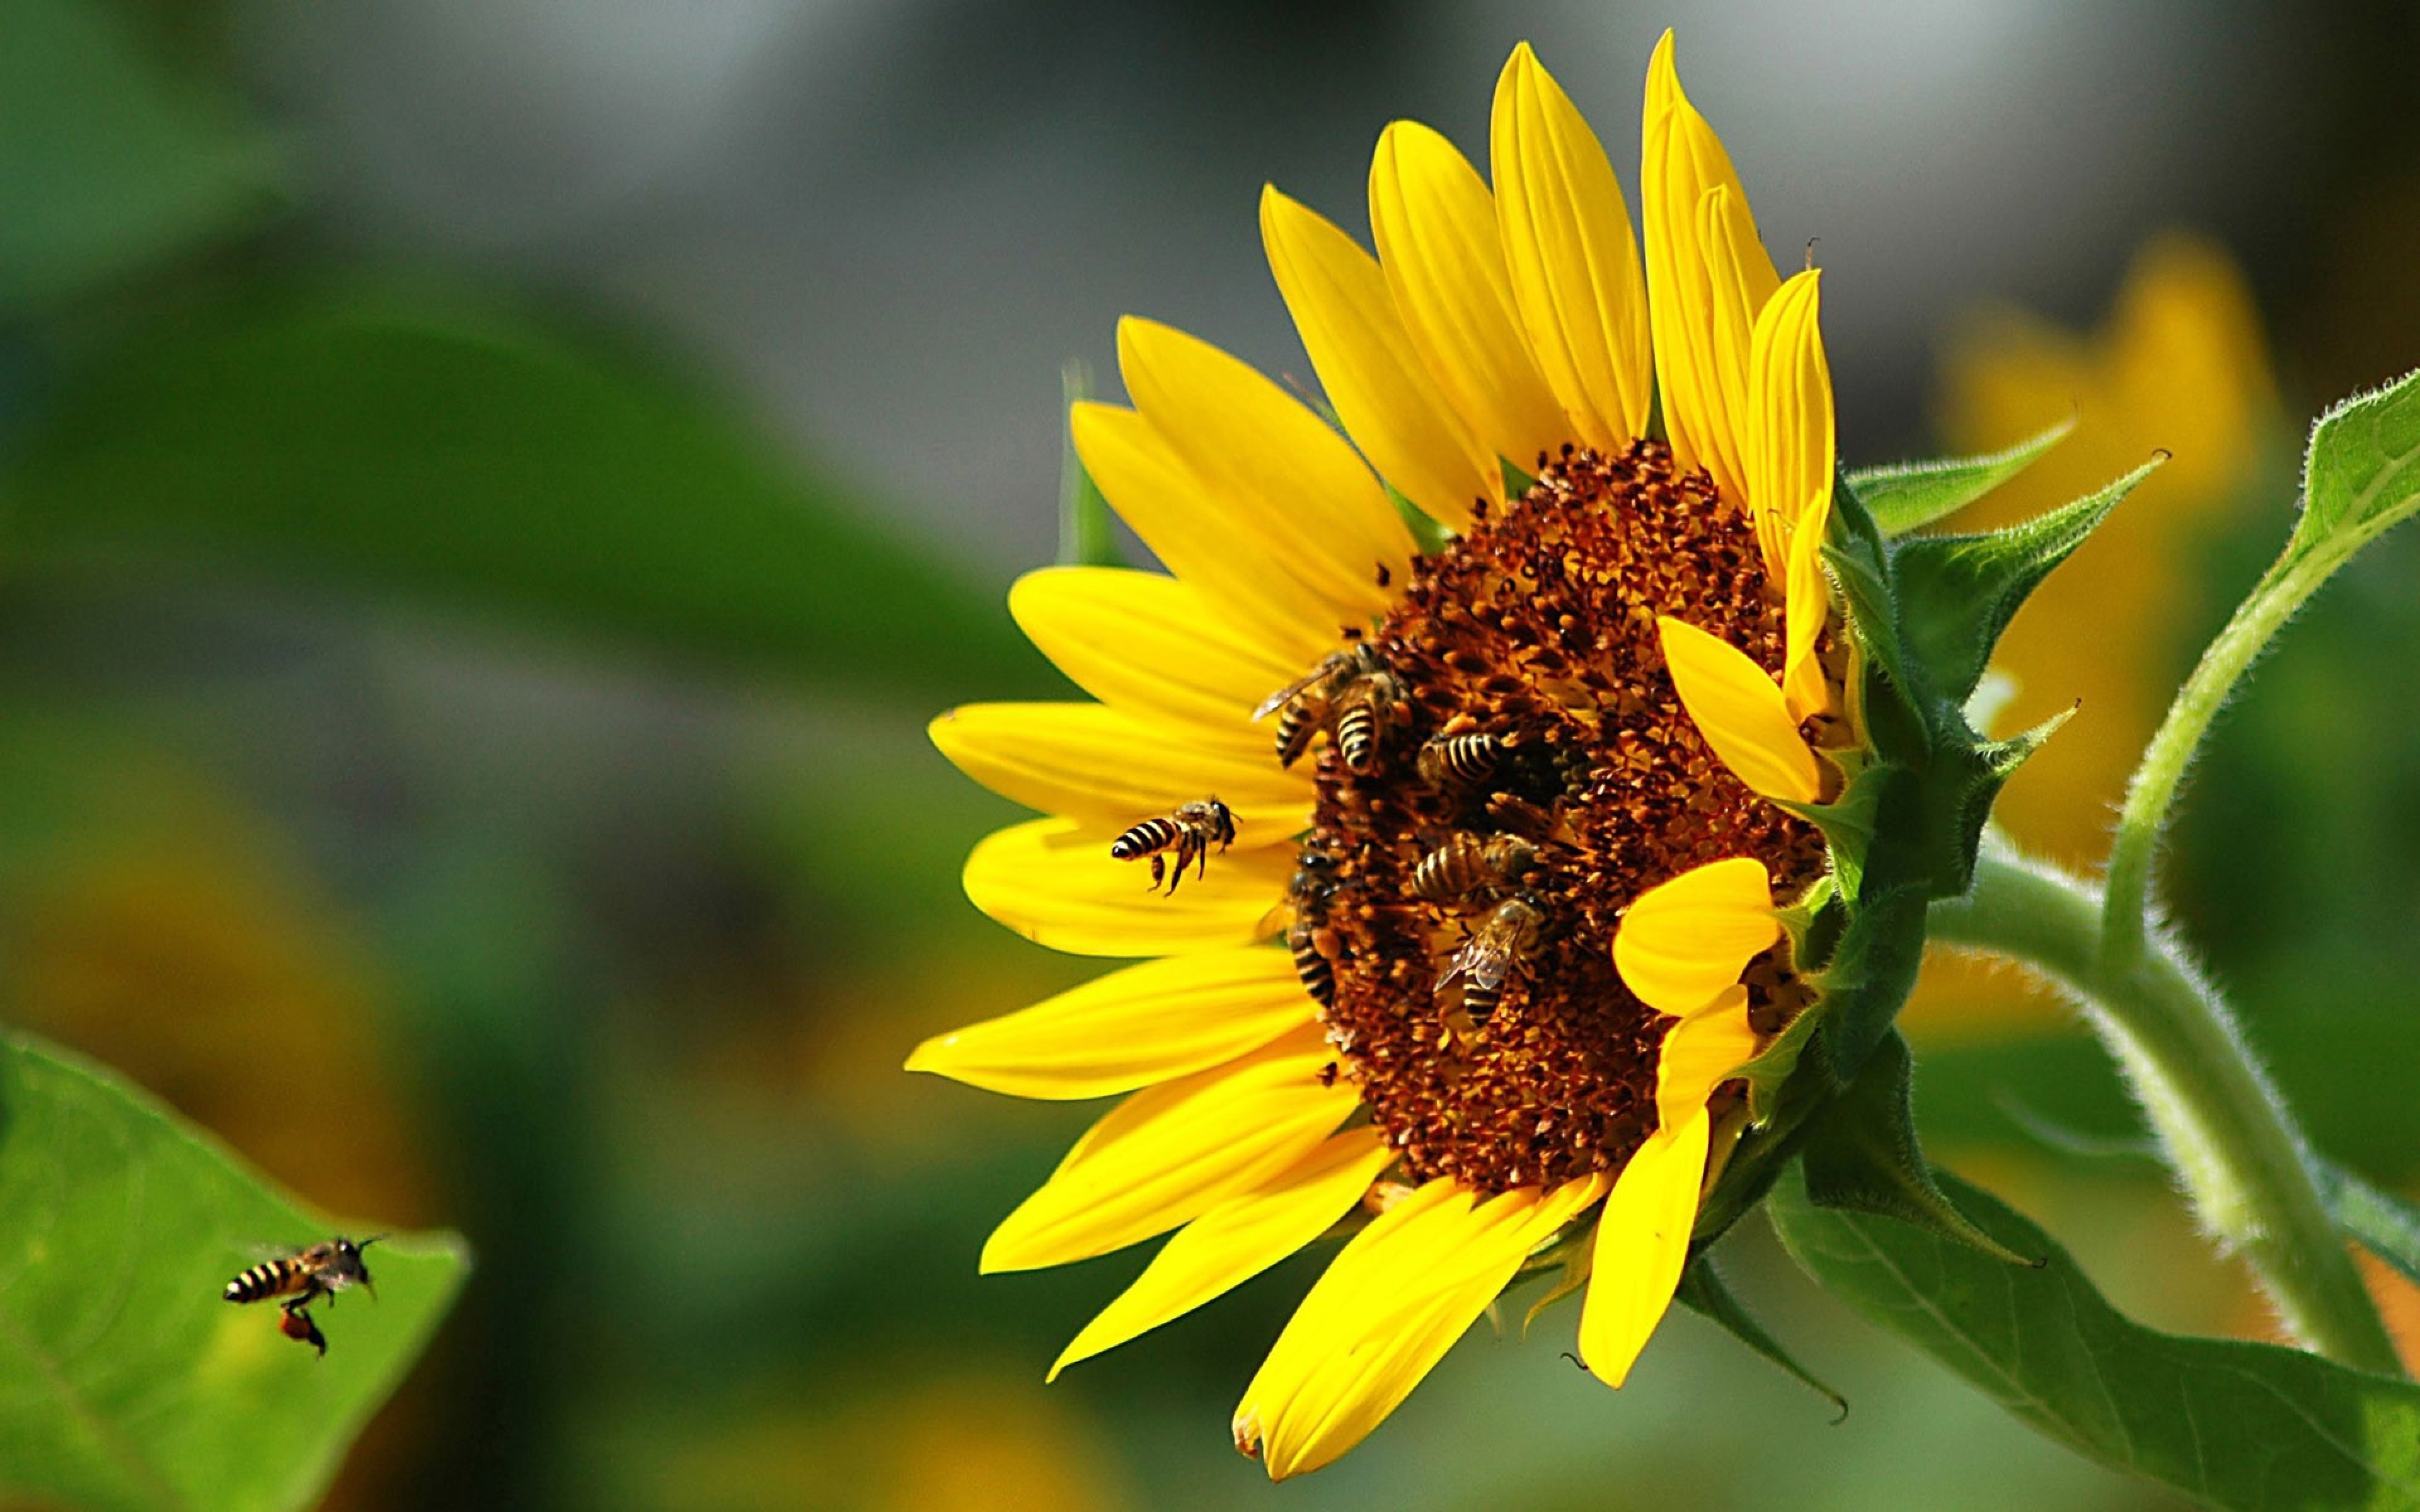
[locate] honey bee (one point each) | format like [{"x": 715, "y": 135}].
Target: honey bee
[
  {"x": 302, "y": 1278},
  {"x": 1461, "y": 761},
  {"x": 1467, "y": 864},
  {"x": 1350, "y": 687},
  {"x": 1315, "y": 945},
  {"x": 1498, "y": 949},
  {"x": 1190, "y": 831}
]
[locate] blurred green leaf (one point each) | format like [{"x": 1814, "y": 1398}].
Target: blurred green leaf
[
  {"x": 1908, "y": 496},
  {"x": 108, "y": 160},
  {"x": 471, "y": 459},
  {"x": 2231, "y": 1425},
  {"x": 125, "y": 1381},
  {"x": 2361, "y": 476}
]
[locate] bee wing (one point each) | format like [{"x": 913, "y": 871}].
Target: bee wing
[
  {"x": 1287, "y": 694},
  {"x": 272, "y": 1252}
]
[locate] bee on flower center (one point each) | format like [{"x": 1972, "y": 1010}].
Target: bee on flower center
[
  {"x": 1467, "y": 864},
  {"x": 1460, "y": 761},
  {"x": 1499, "y": 949},
  {"x": 1190, "y": 832},
  {"x": 1352, "y": 693}
]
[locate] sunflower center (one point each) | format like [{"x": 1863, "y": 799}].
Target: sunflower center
[{"x": 1509, "y": 769}]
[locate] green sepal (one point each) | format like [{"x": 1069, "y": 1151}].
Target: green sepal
[
  {"x": 1777, "y": 1063},
  {"x": 1848, "y": 821},
  {"x": 1908, "y": 496},
  {"x": 1859, "y": 559},
  {"x": 1863, "y": 1156},
  {"x": 1429, "y": 536},
  {"x": 1871, "y": 974},
  {"x": 1703, "y": 1293},
  {"x": 1956, "y": 594},
  {"x": 1517, "y": 481},
  {"x": 1088, "y": 534}
]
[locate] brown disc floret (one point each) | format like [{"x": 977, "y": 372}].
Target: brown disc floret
[{"x": 1530, "y": 700}]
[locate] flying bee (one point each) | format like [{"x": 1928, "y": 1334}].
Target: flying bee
[
  {"x": 302, "y": 1278},
  {"x": 1499, "y": 948},
  {"x": 1460, "y": 762},
  {"x": 1190, "y": 831},
  {"x": 1315, "y": 945},
  {"x": 1351, "y": 686},
  {"x": 1466, "y": 865}
]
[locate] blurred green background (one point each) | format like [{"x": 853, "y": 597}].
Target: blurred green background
[{"x": 490, "y": 491}]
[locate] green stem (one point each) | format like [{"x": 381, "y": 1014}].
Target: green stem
[
  {"x": 2126, "y": 909},
  {"x": 2226, "y": 1131}
]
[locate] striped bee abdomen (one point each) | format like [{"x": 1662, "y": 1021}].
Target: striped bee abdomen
[
  {"x": 270, "y": 1278},
  {"x": 1463, "y": 760},
  {"x": 1145, "y": 837},
  {"x": 1357, "y": 736},
  {"x": 1318, "y": 974},
  {"x": 1297, "y": 723}
]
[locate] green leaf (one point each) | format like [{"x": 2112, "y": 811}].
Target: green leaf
[
  {"x": 1087, "y": 530},
  {"x": 1703, "y": 1293},
  {"x": 1863, "y": 1157},
  {"x": 2387, "y": 1226},
  {"x": 108, "y": 162},
  {"x": 470, "y": 459},
  {"x": 130, "y": 1384},
  {"x": 2249, "y": 1426},
  {"x": 1957, "y": 593},
  {"x": 1908, "y": 496},
  {"x": 2362, "y": 474}
]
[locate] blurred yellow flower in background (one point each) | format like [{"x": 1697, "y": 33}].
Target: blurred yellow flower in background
[{"x": 2181, "y": 365}]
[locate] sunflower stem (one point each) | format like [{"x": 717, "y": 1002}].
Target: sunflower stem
[
  {"x": 2222, "y": 1126},
  {"x": 2126, "y": 907}
]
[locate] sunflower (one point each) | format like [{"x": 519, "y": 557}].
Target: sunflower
[{"x": 1539, "y": 808}]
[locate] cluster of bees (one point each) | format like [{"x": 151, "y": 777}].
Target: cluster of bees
[
  {"x": 1356, "y": 698},
  {"x": 298, "y": 1279}
]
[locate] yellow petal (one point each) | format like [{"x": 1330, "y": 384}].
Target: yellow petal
[
  {"x": 1250, "y": 440},
  {"x": 1221, "y": 544},
  {"x": 1571, "y": 257},
  {"x": 1701, "y": 348},
  {"x": 1145, "y": 1024},
  {"x": 1387, "y": 1311},
  {"x": 1146, "y": 643},
  {"x": 1642, "y": 1242},
  {"x": 1698, "y": 1053},
  {"x": 1090, "y": 762},
  {"x": 1053, "y": 881},
  {"x": 1684, "y": 943},
  {"x": 1383, "y": 393},
  {"x": 1741, "y": 713},
  {"x": 1805, "y": 691},
  {"x": 1790, "y": 469},
  {"x": 1169, "y": 1154},
  {"x": 1443, "y": 257},
  {"x": 1237, "y": 1240}
]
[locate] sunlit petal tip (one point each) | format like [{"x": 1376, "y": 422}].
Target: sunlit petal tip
[
  {"x": 1572, "y": 255},
  {"x": 1683, "y": 944},
  {"x": 1145, "y": 1024},
  {"x": 1740, "y": 712},
  {"x": 1377, "y": 380},
  {"x": 1642, "y": 1242},
  {"x": 1441, "y": 250}
]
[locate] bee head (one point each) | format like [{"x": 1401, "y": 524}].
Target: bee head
[{"x": 349, "y": 1254}]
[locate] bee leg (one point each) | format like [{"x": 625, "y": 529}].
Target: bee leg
[
  {"x": 296, "y": 1325},
  {"x": 1158, "y": 870}
]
